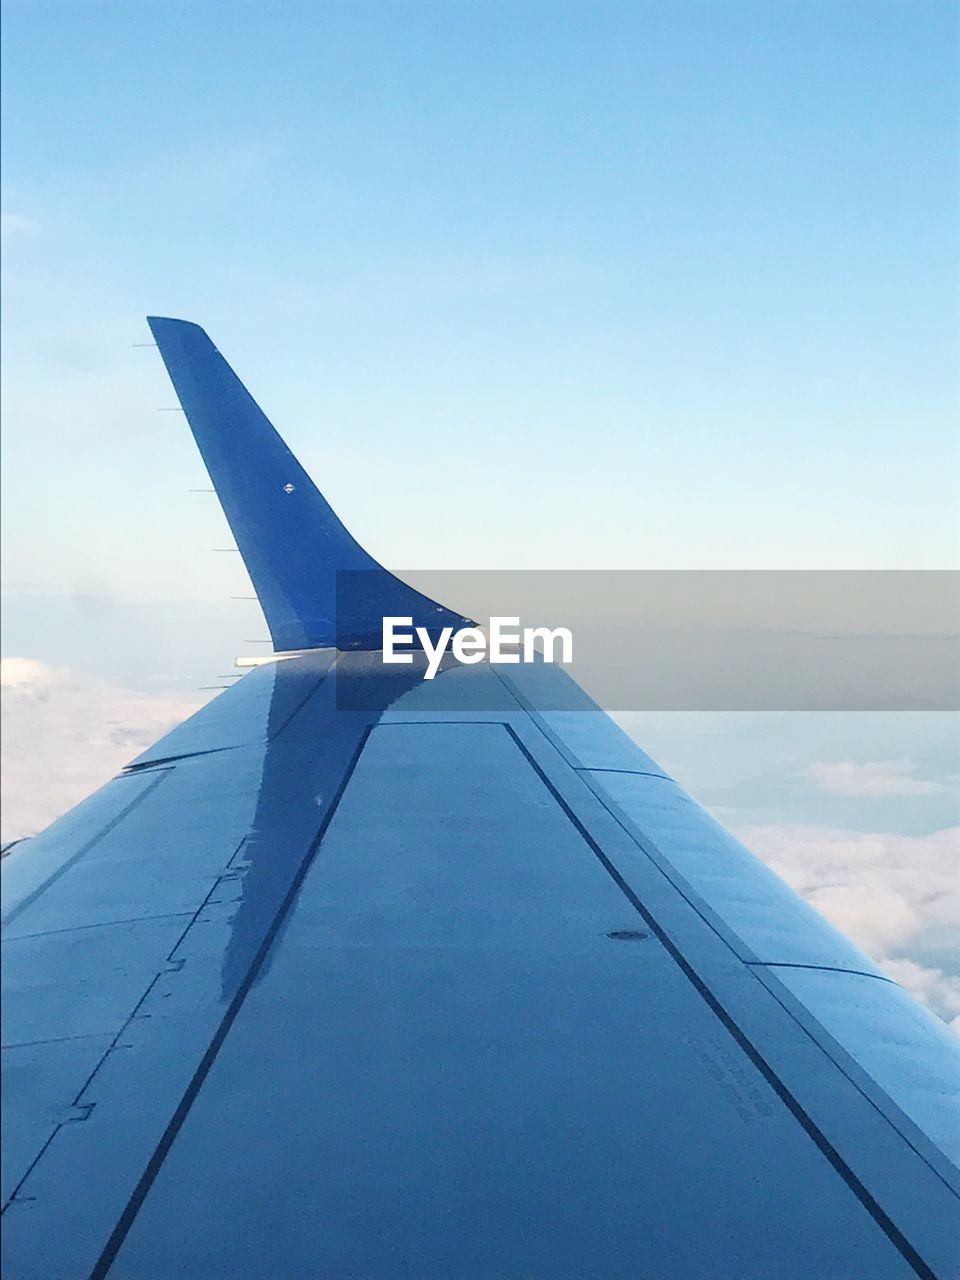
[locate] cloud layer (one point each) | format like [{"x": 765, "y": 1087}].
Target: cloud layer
[
  {"x": 873, "y": 778},
  {"x": 64, "y": 735},
  {"x": 897, "y": 897}
]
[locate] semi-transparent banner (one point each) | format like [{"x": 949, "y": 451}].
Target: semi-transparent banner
[{"x": 687, "y": 640}]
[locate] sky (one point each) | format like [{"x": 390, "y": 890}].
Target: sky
[
  {"x": 674, "y": 284},
  {"x": 559, "y": 285}
]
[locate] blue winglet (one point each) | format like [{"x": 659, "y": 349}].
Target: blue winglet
[{"x": 292, "y": 543}]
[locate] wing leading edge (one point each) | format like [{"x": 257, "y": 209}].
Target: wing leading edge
[{"x": 452, "y": 984}]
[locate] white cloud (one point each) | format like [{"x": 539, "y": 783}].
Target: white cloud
[
  {"x": 889, "y": 893},
  {"x": 873, "y": 778},
  {"x": 931, "y": 986},
  {"x": 12, "y": 224},
  {"x": 64, "y": 735}
]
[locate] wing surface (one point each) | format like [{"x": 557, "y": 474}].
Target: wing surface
[{"x": 452, "y": 985}]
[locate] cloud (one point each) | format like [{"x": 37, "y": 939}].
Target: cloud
[
  {"x": 933, "y": 987},
  {"x": 892, "y": 894},
  {"x": 12, "y": 224},
  {"x": 873, "y": 778},
  {"x": 64, "y": 735}
]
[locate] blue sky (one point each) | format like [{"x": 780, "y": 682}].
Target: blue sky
[{"x": 567, "y": 285}]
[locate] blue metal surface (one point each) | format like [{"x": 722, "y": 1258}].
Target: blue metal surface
[
  {"x": 31, "y": 866},
  {"x": 458, "y": 983},
  {"x": 265, "y": 700},
  {"x": 291, "y": 541},
  {"x": 573, "y": 722},
  {"x": 432, "y": 1041},
  {"x": 908, "y": 1056},
  {"x": 765, "y": 920},
  {"x": 473, "y": 1078}
]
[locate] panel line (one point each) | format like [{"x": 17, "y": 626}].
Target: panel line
[
  {"x": 127, "y": 1217},
  {"x": 85, "y": 848},
  {"x": 886, "y": 1224}
]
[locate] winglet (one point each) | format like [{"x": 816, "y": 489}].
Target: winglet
[{"x": 292, "y": 543}]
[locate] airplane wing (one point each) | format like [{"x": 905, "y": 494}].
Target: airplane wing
[{"x": 447, "y": 985}]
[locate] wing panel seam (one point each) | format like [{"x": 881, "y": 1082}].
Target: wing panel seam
[
  {"x": 84, "y": 849},
  {"x": 154, "y": 1164},
  {"x": 886, "y": 1224}
]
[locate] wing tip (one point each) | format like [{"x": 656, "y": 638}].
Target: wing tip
[{"x": 167, "y": 325}]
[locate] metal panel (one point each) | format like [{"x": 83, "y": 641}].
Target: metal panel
[
  {"x": 467, "y": 1075},
  {"x": 84, "y": 981},
  {"x": 162, "y": 857},
  {"x": 237, "y": 825},
  {"x": 764, "y": 919},
  {"x": 444, "y": 1002},
  {"x": 40, "y": 1084},
  {"x": 910, "y": 1055},
  {"x": 258, "y": 706},
  {"x": 66, "y": 997},
  {"x": 33, "y": 864},
  {"x": 586, "y": 736}
]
